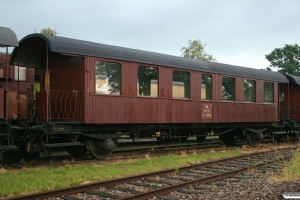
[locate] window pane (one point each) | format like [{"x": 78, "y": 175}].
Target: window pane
[
  {"x": 181, "y": 84},
  {"x": 147, "y": 81},
  {"x": 228, "y": 89},
  {"x": 1, "y": 69},
  {"x": 22, "y": 71},
  {"x": 108, "y": 78},
  {"x": 281, "y": 93},
  {"x": 206, "y": 90},
  {"x": 249, "y": 90},
  {"x": 268, "y": 92}
]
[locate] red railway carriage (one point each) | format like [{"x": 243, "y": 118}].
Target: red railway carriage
[
  {"x": 289, "y": 101},
  {"x": 16, "y": 95},
  {"x": 93, "y": 93}
]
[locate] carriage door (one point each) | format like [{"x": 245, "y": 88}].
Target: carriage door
[{"x": 283, "y": 109}]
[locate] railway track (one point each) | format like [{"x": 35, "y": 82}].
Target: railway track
[{"x": 167, "y": 184}]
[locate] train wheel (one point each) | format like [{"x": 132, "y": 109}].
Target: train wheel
[
  {"x": 227, "y": 138},
  {"x": 100, "y": 149},
  {"x": 77, "y": 151},
  {"x": 253, "y": 138}
]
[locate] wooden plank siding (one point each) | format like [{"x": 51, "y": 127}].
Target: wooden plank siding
[
  {"x": 118, "y": 109},
  {"x": 129, "y": 108},
  {"x": 69, "y": 73},
  {"x": 293, "y": 100}
]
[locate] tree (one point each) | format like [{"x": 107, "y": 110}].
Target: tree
[
  {"x": 195, "y": 50},
  {"x": 286, "y": 59},
  {"x": 266, "y": 69},
  {"x": 49, "y": 31}
]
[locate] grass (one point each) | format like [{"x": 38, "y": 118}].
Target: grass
[
  {"x": 291, "y": 170},
  {"x": 28, "y": 180}
]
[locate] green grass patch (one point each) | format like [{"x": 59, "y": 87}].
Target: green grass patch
[
  {"x": 291, "y": 171},
  {"x": 17, "y": 182}
]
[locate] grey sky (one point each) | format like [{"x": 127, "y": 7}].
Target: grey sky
[{"x": 238, "y": 32}]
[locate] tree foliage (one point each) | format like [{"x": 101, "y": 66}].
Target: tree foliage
[
  {"x": 195, "y": 50},
  {"x": 49, "y": 31},
  {"x": 286, "y": 59}
]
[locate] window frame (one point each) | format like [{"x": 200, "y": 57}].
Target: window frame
[
  {"x": 267, "y": 101},
  {"x": 234, "y": 89},
  {"x": 211, "y": 83},
  {"x": 120, "y": 84},
  {"x": 253, "y": 93},
  {"x": 157, "y": 85},
  {"x": 2, "y": 69},
  {"x": 189, "y": 94},
  {"x": 16, "y": 73}
]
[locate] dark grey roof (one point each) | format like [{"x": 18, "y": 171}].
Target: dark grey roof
[
  {"x": 8, "y": 37},
  {"x": 295, "y": 79},
  {"x": 33, "y": 46}
]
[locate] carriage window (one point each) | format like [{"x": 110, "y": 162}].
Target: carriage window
[
  {"x": 281, "y": 93},
  {"x": 268, "y": 92},
  {"x": 181, "y": 84},
  {"x": 249, "y": 90},
  {"x": 108, "y": 78},
  {"x": 228, "y": 88},
  {"x": 21, "y": 72},
  {"x": 147, "y": 81},
  {"x": 206, "y": 90},
  {"x": 1, "y": 69}
]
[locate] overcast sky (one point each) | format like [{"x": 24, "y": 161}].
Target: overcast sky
[{"x": 237, "y": 32}]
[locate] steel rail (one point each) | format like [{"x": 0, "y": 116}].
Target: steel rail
[
  {"x": 199, "y": 181},
  {"x": 82, "y": 188}
]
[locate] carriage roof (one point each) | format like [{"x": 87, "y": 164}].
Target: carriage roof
[{"x": 32, "y": 48}]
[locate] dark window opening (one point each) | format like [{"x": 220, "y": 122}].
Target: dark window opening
[
  {"x": 147, "y": 81},
  {"x": 1, "y": 70},
  {"x": 228, "y": 88},
  {"x": 268, "y": 92},
  {"x": 181, "y": 84},
  {"x": 206, "y": 87},
  {"x": 281, "y": 93}
]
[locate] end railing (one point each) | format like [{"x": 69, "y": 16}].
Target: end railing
[{"x": 64, "y": 105}]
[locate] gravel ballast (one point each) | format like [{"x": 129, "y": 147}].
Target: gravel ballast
[{"x": 253, "y": 186}]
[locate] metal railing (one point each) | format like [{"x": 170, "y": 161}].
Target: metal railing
[{"x": 64, "y": 105}]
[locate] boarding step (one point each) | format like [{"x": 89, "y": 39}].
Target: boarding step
[
  {"x": 38, "y": 127},
  {"x": 16, "y": 128},
  {"x": 8, "y": 147},
  {"x": 63, "y": 144},
  {"x": 281, "y": 133}
]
